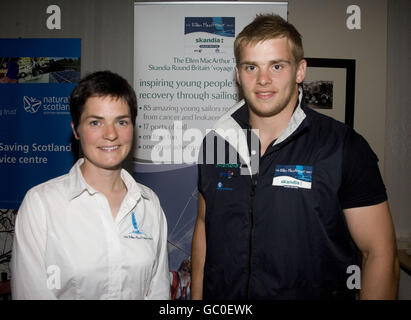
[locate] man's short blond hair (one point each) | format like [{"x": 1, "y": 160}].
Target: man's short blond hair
[{"x": 267, "y": 27}]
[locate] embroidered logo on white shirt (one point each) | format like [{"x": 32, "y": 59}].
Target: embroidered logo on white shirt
[{"x": 136, "y": 233}]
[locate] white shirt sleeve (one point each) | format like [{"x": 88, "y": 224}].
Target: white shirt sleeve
[
  {"x": 28, "y": 270},
  {"x": 160, "y": 282}
]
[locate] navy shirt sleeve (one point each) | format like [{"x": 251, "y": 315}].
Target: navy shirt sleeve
[{"x": 361, "y": 184}]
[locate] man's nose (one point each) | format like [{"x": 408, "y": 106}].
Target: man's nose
[{"x": 263, "y": 77}]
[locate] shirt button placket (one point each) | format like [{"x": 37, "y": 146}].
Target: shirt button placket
[{"x": 113, "y": 253}]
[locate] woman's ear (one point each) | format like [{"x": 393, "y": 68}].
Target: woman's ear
[{"x": 76, "y": 135}]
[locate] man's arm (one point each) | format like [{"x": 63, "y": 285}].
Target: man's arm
[
  {"x": 372, "y": 230},
  {"x": 198, "y": 251}
]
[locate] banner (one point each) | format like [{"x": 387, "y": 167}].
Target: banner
[
  {"x": 184, "y": 77},
  {"x": 36, "y": 79}
]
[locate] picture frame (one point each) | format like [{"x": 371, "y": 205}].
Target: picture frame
[{"x": 329, "y": 87}]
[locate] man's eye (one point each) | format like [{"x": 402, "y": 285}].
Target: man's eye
[
  {"x": 277, "y": 67},
  {"x": 250, "y": 68},
  {"x": 123, "y": 122},
  {"x": 94, "y": 123}
]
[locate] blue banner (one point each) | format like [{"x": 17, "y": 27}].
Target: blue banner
[{"x": 36, "y": 79}]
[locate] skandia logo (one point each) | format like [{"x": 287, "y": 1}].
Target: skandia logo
[
  {"x": 31, "y": 105},
  {"x": 209, "y": 40}
]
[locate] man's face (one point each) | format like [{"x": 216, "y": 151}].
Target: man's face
[
  {"x": 269, "y": 76},
  {"x": 105, "y": 132}
]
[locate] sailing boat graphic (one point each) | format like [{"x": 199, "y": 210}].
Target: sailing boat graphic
[
  {"x": 133, "y": 220},
  {"x": 136, "y": 233}
]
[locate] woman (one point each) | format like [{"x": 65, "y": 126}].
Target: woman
[{"x": 93, "y": 233}]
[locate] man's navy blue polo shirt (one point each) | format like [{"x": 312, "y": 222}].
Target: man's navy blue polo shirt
[{"x": 280, "y": 232}]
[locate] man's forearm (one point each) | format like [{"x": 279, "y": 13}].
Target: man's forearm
[
  {"x": 379, "y": 280},
  {"x": 198, "y": 251},
  {"x": 197, "y": 272},
  {"x": 197, "y": 285},
  {"x": 197, "y": 262}
]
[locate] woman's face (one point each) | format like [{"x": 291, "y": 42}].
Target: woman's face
[{"x": 105, "y": 132}]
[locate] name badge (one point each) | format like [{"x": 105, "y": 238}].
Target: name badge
[{"x": 293, "y": 176}]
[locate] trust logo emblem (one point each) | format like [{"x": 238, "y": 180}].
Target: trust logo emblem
[{"x": 31, "y": 105}]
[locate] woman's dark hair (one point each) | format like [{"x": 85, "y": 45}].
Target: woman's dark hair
[{"x": 101, "y": 84}]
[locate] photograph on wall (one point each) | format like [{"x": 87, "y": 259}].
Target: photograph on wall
[
  {"x": 329, "y": 88},
  {"x": 324, "y": 91},
  {"x": 318, "y": 94}
]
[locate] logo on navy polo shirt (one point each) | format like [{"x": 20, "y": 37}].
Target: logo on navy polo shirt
[
  {"x": 227, "y": 165},
  {"x": 220, "y": 187},
  {"x": 293, "y": 176},
  {"x": 227, "y": 174}
]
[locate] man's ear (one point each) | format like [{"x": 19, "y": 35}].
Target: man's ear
[
  {"x": 237, "y": 76},
  {"x": 301, "y": 71},
  {"x": 76, "y": 135}
]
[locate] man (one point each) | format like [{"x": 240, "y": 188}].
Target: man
[{"x": 290, "y": 228}]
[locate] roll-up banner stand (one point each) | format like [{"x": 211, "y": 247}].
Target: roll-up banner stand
[{"x": 184, "y": 77}]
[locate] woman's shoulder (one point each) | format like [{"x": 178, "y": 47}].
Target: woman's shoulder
[{"x": 49, "y": 187}]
